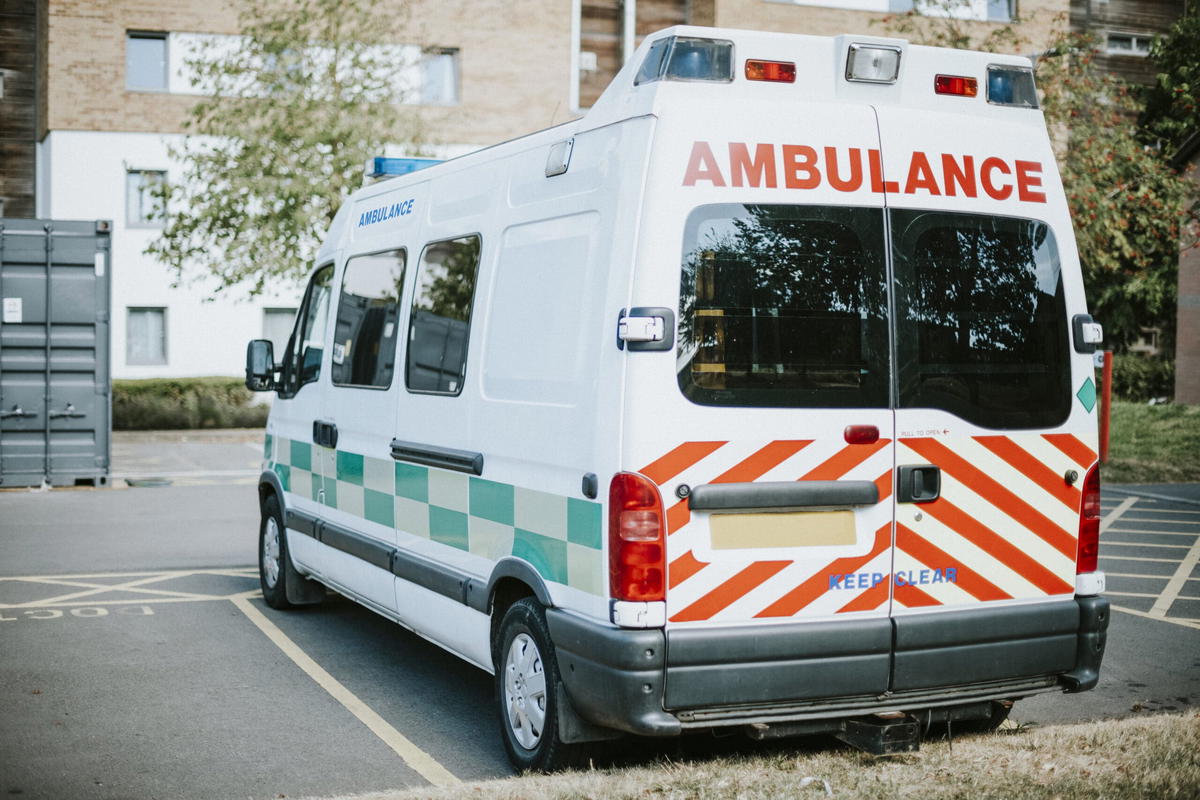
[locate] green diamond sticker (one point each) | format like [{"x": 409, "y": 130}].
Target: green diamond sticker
[{"x": 1087, "y": 394}]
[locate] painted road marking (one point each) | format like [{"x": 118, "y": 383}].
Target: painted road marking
[
  {"x": 1177, "y": 582},
  {"x": 1138, "y": 558},
  {"x": 1187, "y": 623},
  {"x": 94, "y": 592},
  {"x": 1154, "y": 533},
  {"x": 416, "y": 758},
  {"x": 1116, "y": 513}
]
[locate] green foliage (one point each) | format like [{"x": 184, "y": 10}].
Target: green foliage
[
  {"x": 1172, "y": 110},
  {"x": 280, "y": 138},
  {"x": 185, "y": 403},
  {"x": 1127, "y": 204},
  {"x": 1139, "y": 378}
]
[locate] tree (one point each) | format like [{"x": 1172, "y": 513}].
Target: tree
[
  {"x": 288, "y": 118},
  {"x": 1128, "y": 205},
  {"x": 948, "y": 23},
  {"x": 1172, "y": 112}
]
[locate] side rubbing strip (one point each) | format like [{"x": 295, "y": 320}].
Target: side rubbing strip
[
  {"x": 433, "y": 456},
  {"x": 301, "y": 522},
  {"x": 783, "y": 494}
]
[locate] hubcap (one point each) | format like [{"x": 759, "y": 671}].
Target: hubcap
[
  {"x": 525, "y": 691},
  {"x": 270, "y": 554}
]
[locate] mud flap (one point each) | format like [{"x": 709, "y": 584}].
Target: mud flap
[
  {"x": 300, "y": 590},
  {"x": 573, "y": 728}
]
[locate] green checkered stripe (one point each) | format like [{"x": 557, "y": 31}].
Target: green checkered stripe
[{"x": 560, "y": 536}]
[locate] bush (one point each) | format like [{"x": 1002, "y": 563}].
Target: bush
[
  {"x": 185, "y": 403},
  {"x": 1139, "y": 378}
]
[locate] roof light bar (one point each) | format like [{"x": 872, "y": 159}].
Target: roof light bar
[
  {"x": 380, "y": 167},
  {"x": 776, "y": 71},
  {"x": 687, "y": 58},
  {"x": 1011, "y": 86},
  {"x": 956, "y": 84},
  {"x": 873, "y": 63}
]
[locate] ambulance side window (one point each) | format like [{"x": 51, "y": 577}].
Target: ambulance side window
[
  {"x": 302, "y": 364},
  {"x": 441, "y": 316},
  {"x": 981, "y": 326},
  {"x": 364, "y": 330}
]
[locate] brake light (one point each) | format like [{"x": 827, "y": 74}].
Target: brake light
[
  {"x": 636, "y": 539},
  {"x": 956, "y": 84},
  {"x": 778, "y": 71},
  {"x": 1089, "y": 523},
  {"x": 861, "y": 434}
]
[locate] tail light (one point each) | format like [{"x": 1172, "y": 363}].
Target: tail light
[
  {"x": 637, "y": 549},
  {"x": 956, "y": 84},
  {"x": 777, "y": 71},
  {"x": 1089, "y": 523}
]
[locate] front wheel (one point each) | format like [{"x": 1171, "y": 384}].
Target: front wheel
[
  {"x": 272, "y": 555},
  {"x": 527, "y": 684}
]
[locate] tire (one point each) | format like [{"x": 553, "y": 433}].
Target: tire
[
  {"x": 273, "y": 558},
  {"x": 527, "y": 682}
]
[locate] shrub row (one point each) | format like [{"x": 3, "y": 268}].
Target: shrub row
[
  {"x": 1138, "y": 378},
  {"x": 185, "y": 403}
]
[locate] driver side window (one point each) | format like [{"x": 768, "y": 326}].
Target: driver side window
[{"x": 303, "y": 361}]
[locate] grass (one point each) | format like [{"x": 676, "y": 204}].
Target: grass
[
  {"x": 1125, "y": 759},
  {"x": 1153, "y": 444}
]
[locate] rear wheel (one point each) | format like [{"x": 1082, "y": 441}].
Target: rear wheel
[
  {"x": 527, "y": 684},
  {"x": 272, "y": 555}
]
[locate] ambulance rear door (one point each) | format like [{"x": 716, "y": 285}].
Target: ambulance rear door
[
  {"x": 767, "y": 429},
  {"x": 994, "y": 410}
]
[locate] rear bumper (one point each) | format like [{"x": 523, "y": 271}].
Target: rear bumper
[{"x": 657, "y": 683}]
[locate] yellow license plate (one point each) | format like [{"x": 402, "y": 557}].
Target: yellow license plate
[{"x": 782, "y": 529}]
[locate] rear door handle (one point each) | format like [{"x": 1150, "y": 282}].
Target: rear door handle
[
  {"x": 325, "y": 434},
  {"x": 918, "y": 483}
]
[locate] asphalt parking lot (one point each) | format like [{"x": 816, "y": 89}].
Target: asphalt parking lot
[{"x": 137, "y": 660}]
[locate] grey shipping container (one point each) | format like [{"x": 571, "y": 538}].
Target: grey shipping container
[{"x": 55, "y": 390}]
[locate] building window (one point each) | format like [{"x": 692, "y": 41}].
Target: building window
[
  {"x": 146, "y": 61},
  {"x": 146, "y": 336},
  {"x": 1128, "y": 44},
  {"x": 277, "y": 328},
  {"x": 143, "y": 206},
  {"x": 439, "y": 77},
  {"x": 1001, "y": 10}
]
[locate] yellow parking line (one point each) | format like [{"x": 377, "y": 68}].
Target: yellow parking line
[
  {"x": 423, "y": 763},
  {"x": 1154, "y": 533},
  {"x": 1187, "y": 623},
  {"x": 1177, "y": 582}
]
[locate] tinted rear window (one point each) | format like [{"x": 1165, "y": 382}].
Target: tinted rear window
[
  {"x": 982, "y": 329},
  {"x": 785, "y": 306}
]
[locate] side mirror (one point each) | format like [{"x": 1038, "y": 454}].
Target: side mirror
[{"x": 260, "y": 366}]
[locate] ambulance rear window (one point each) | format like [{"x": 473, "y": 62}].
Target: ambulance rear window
[
  {"x": 784, "y": 306},
  {"x": 982, "y": 323}
]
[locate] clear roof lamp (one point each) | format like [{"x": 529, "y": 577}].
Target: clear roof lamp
[
  {"x": 686, "y": 58},
  {"x": 873, "y": 63}
]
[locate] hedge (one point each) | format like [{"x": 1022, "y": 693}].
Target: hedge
[
  {"x": 1138, "y": 378},
  {"x": 185, "y": 403}
]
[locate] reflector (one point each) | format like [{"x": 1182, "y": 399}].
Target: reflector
[
  {"x": 955, "y": 84},
  {"x": 779, "y": 71}
]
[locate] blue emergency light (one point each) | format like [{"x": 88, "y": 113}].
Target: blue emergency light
[{"x": 380, "y": 167}]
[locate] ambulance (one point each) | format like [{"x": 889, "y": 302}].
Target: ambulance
[{"x": 760, "y": 399}]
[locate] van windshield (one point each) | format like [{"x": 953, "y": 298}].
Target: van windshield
[
  {"x": 784, "y": 306},
  {"x": 787, "y": 306}
]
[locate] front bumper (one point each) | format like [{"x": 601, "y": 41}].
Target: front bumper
[{"x": 661, "y": 683}]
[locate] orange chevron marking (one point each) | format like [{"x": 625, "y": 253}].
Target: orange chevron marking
[
  {"x": 884, "y": 482},
  {"x": 1078, "y": 452},
  {"x": 1020, "y": 459},
  {"x": 869, "y": 600},
  {"x": 912, "y": 597},
  {"x": 679, "y": 459},
  {"x": 818, "y": 584},
  {"x": 683, "y": 568},
  {"x": 844, "y": 460},
  {"x": 762, "y": 461},
  {"x": 997, "y": 546},
  {"x": 729, "y": 591},
  {"x": 930, "y": 555},
  {"x": 991, "y": 491},
  {"x": 678, "y": 515}
]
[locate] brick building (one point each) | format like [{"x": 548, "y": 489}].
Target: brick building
[{"x": 94, "y": 95}]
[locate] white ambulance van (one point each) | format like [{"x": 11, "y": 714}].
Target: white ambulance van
[{"x": 761, "y": 398}]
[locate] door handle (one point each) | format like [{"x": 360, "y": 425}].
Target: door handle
[
  {"x": 918, "y": 483},
  {"x": 68, "y": 411},
  {"x": 17, "y": 412},
  {"x": 324, "y": 433}
]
